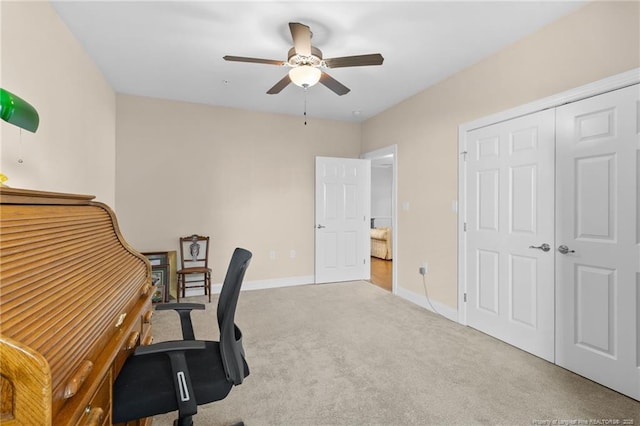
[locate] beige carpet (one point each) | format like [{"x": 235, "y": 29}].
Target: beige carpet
[{"x": 353, "y": 354}]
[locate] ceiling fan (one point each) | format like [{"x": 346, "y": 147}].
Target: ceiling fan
[{"x": 305, "y": 61}]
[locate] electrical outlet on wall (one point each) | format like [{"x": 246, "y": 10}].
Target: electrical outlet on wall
[{"x": 424, "y": 269}]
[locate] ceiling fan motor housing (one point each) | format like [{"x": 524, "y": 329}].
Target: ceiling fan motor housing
[{"x": 295, "y": 60}]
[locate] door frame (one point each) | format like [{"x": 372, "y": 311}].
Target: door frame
[
  {"x": 380, "y": 153},
  {"x": 608, "y": 84}
]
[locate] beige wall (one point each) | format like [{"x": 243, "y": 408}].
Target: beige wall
[
  {"x": 244, "y": 178},
  {"x": 597, "y": 41},
  {"x": 253, "y": 182},
  {"x": 73, "y": 150}
]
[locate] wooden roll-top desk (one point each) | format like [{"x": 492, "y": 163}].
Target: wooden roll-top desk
[{"x": 75, "y": 300}]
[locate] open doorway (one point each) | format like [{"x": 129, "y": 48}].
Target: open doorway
[{"x": 383, "y": 216}]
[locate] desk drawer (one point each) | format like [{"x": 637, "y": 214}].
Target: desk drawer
[
  {"x": 98, "y": 411},
  {"x": 146, "y": 337},
  {"x": 132, "y": 341}
]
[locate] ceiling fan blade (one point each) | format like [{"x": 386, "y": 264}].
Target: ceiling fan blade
[
  {"x": 253, "y": 60},
  {"x": 301, "y": 35},
  {"x": 333, "y": 84},
  {"x": 355, "y": 61},
  {"x": 277, "y": 88}
]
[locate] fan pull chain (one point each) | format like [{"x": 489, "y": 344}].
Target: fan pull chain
[{"x": 305, "y": 106}]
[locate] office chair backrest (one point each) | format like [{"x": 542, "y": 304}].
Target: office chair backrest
[{"x": 230, "y": 335}]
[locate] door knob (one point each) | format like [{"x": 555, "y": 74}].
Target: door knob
[
  {"x": 564, "y": 249},
  {"x": 320, "y": 226},
  {"x": 544, "y": 247}
]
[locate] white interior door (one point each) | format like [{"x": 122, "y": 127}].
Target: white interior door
[
  {"x": 598, "y": 274},
  {"x": 343, "y": 205},
  {"x": 510, "y": 232}
]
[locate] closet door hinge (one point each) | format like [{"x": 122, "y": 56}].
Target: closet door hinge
[
  {"x": 465, "y": 296},
  {"x": 464, "y": 227}
]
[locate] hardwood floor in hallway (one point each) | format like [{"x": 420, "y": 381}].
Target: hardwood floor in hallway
[{"x": 381, "y": 272}]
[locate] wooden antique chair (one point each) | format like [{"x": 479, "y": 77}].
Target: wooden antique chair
[{"x": 194, "y": 269}]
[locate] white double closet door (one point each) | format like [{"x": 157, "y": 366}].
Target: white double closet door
[{"x": 553, "y": 236}]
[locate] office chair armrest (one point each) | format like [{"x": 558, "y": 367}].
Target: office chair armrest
[
  {"x": 184, "y": 311},
  {"x": 175, "y": 350},
  {"x": 179, "y": 306},
  {"x": 172, "y": 346}
]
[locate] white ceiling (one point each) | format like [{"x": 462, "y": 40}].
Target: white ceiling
[{"x": 174, "y": 50}]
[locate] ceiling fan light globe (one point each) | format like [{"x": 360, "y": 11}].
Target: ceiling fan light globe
[{"x": 305, "y": 75}]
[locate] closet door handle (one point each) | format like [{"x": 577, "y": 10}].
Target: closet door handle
[
  {"x": 544, "y": 247},
  {"x": 564, "y": 249},
  {"x": 320, "y": 226}
]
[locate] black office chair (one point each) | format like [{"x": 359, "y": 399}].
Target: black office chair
[{"x": 180, "y": 375}]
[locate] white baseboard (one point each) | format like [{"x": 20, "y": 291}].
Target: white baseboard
[
  {"x": 418, "y": 299},
  {"x": 421, "y": 300},
  {"x": 258, "y": 285},
  {"x": 278, "y": 282}
]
